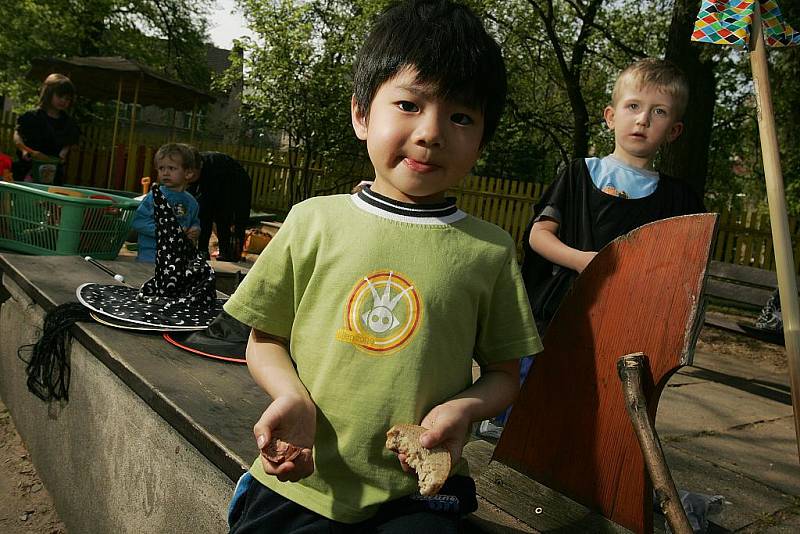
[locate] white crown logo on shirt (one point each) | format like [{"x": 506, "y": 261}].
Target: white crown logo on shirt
[{"x": 381, "y": 317}]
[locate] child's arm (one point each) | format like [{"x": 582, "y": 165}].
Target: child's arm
[
  {"x": 291, "y": 416},
  {"x": 62, "y": 155},
  {"x": 143, "y": 220},
  {"x": 193, "y": 231},
  {"x": 27, "y": 152},
  {"x": 544, "y": 240},
  {"x": 449, "y": 422}
]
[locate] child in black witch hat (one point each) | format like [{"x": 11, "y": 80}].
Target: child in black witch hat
[{"x": 175, "y": 165}]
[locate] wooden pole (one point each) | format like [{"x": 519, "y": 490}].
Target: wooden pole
[
  {"x": 779, "y": 221},
  {"x": 172, "y": 127},
  {"x": 194, "y": 122},
  {"x": 114, "y": 135},
  {"x": 130, "y": 181}
]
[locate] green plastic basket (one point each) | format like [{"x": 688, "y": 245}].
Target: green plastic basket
[{"x": 63, "y": 221}]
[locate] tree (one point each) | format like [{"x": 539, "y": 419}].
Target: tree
[
  {"x": 562, "y": 57},
  {"x": 165, "y": 34},
  {"x": 298, "y": 79},
  {"x": 735, "y": 173},
  {"x": 786, "y": 97},
  {"x": 688, "y": 155}
]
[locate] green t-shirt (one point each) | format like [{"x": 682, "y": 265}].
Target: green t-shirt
[{"x": 384, "y": 315}]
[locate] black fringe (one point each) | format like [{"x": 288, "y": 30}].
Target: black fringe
[{"x": 48, "y": 367}]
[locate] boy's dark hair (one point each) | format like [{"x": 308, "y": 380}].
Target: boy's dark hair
[
  {"x": 173, "y": 150},
  {"x": 449, "y": 48},
  {"x": 55, "y": 84}
]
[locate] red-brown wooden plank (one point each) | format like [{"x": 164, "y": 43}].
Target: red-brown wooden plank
[{"x": 569, "y": 429}]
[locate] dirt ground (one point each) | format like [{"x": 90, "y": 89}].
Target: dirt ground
[
  {"x": 759, "y": 353},
  {"x": 26, "y": 506}
]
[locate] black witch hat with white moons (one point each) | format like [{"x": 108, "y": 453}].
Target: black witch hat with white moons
[{"x": 181, "y": 294}]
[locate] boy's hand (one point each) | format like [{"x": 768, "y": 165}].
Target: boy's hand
[
  {"x": 583, "y": 259},
  {"x": 293, "y": 421},
  {"x": 447, "y": 427}
]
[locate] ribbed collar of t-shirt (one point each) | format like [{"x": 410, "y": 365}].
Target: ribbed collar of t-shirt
[{"x": 445, "y": 212}]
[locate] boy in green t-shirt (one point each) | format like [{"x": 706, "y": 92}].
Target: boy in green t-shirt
[{"x": 367, "y": 309}]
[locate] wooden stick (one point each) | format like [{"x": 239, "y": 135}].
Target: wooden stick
[
  {"x": 630, "y": 368},
  {"x": 779, "y": 221}
]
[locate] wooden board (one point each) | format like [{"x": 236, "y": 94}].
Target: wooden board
[
  {"x": 513, "y": 502},
  {"x": 569, "y": 429},
  {"x": 754, "y": 297},
  {"x": 743, "y": 274}
]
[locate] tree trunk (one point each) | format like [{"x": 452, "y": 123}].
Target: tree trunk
[{"x": 687, "y": 157}]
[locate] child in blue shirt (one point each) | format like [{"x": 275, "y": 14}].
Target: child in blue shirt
[
  {"x": 596, "y": 200},
  {"x": 174, "y": 163}
]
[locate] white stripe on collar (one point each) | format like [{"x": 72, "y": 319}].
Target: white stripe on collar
[{"x": 417, "y": 219}]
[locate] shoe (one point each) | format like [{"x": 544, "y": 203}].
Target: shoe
[{"x": 487, "y": 429}]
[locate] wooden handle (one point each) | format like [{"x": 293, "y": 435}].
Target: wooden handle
[{"x": 630, "y": 368}]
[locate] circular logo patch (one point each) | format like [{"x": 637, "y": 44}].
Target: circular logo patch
[{"x": 383, "y": 312}]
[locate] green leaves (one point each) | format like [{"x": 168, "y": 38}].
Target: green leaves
[
  {"x": 298, "y": 76},
  {"x": 168, "y": 35}
]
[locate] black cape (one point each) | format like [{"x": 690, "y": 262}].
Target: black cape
[
  {"x": 589, "y": 220},
  {"x": 223, "y": 194}
]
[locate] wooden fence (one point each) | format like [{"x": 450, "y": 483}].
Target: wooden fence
[
  {"x": 744, "y": 237},
  {"x": 95, "y": 163}
]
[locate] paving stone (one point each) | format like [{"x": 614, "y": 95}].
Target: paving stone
[
  {"x": 682, "y": 378},
  {"x": 746, "y": 500},
  {"x": 741, "y": 367},
  {"x": 766, "y": 452},
  {"x": 709, "y": 406}
]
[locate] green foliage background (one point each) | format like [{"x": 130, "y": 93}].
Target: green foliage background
[
  {"x": 168, "y": 35},
  {"x": 562, "y": 55}
]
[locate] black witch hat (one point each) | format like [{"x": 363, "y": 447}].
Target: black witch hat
[
  {"x": 181, "y": 294},
  {"x": 224, "y": 339}
]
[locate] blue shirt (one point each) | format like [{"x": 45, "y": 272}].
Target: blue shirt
[
  {"x": 186, "y": 211},
  {"x": 614, "y": 177}
]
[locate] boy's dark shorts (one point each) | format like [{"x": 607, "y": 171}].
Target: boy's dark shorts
[{"x": 255, "y": 508}]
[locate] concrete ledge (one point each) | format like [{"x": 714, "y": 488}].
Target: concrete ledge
[{"x": 110, "y": 462}]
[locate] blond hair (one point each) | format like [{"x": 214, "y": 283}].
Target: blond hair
[
  {"x": 55, "y": 84},
  {"x": 659, "y": 73}
]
